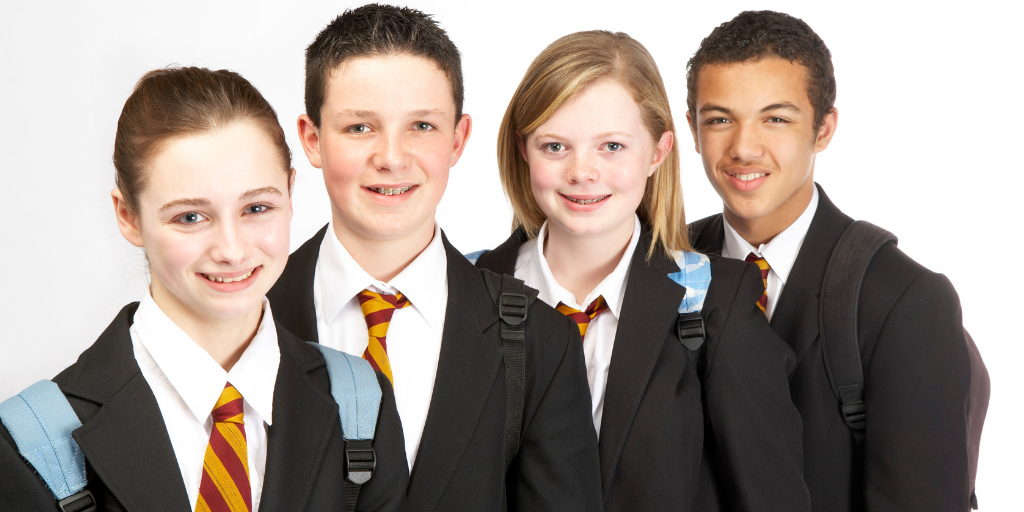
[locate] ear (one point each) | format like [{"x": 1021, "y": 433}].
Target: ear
[
  {"x": 662, "y": 150},
  {"x": 691, "y": 122},
  {"x": 827, "y": 130},
  {"x": 462, "y": 132},
  {"x": 521, "y": 144},
  {"x": 127, "y": 221},
  {"x": 309, "y": 135}
]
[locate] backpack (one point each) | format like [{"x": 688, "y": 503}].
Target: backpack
[
  {"x": 41, "y": 421},
  {"x": 837, "y": 318}
]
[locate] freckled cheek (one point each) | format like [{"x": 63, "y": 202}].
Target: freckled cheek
[{"x": 173, "y": 258}]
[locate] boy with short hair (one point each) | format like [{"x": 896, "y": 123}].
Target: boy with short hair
[
  {"x": 761, "y": 106},
  {"x": 385, "y": 123}
]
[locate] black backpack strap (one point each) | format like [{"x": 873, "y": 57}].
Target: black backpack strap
[
  {"x": 513, "y": 300},
  {"x": 690, "y": 330},
  {"x": 837, "y": 318}
]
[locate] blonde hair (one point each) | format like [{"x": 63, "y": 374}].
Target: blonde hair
[{"x": 560, "y": 72}]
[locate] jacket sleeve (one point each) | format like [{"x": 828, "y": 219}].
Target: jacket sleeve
[
  {"x": 755, "y": 429},
  {"x": 21, "y": 488},
  {"x": 916, "y": 393},
  {"x": 557, "y": 468},
  {"x": 385, "y": 491}
]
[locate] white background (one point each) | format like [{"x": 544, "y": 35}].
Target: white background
[{"x": 928, "y": 146}]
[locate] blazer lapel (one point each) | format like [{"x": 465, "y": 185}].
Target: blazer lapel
[
  {"x": 707, "y": 235},
  {"x": 466, "y": 370},
  {"x": 303, "y": 420},
  {"x": 292, "y": 296},
  {"x": 649, "y": 309},
  {"x": 126, "y": 441},
  {"x": 503, "y": 258}
]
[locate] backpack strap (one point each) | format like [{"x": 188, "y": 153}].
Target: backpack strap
[
  {"x": 837, "y": 318},
  {"x": 41, "y": 421},
  {"x": 355, "y": 388},
  {"x": 695, "y": 276},
  {"x": 513, "y": 299}
]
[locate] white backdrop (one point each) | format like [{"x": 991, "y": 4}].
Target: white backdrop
[{"x": 929, "y": 116}]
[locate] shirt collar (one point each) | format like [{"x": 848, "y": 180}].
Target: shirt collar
[
  {"x": 195, "y": 376},
  {"x": 424, "y": 281},
  {"x": 781, "y": 251},
  {"x": 612, "y": 287}
]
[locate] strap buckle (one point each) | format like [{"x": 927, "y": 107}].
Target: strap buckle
[
  {"x": 854, "y": 414},
  {"x": 690, "y": 329},
  {"x": 512, "y": 307},
  {"x": 81, "y": 501},
  {"x": 360, "y": 460}
]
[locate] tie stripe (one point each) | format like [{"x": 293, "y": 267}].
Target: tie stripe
[
  {"x": 225, "y": 483},
  {"x": 583, "y": 318},
  {"x": 762, "y": 302},
  {"x": 378, "y": 310}
]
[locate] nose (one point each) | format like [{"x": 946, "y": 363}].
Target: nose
[
  {"x": 583, "y": 167},
  {"x": 389, "y": 153},
  {"x": 746, "y": 143},
  {"x": 230, "y": 244}
]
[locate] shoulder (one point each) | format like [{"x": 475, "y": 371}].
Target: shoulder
[
  {"x": 502, "y": 259},
  {"x": 300, "y": 268}
]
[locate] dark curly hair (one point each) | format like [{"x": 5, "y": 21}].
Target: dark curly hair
[
  {"x": 376, "y": 29},
  {"x": 753, "y": 35}
]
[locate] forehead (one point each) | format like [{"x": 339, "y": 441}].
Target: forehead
[
  {"x": 753, "y": 83},
  {"x": 599, "y": 105},
  {"x": 397, "y": 81}
]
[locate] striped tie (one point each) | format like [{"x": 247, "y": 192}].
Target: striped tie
[
  {"x": 583, "y": 318},
  {"x": 377, "y": 310},
  {"x": 763, "y": 265},
  {"x": 225, "y": 483}
]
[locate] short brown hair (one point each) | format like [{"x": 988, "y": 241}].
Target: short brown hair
[
  {"x": 175, "y": 102},
  {"x": 753, "y": 35},
  {"x": 376, "y": 29},
  {"x": 560, "y": 72}
]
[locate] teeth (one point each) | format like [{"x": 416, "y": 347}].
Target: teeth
[
  {"x": 229, "y": 279},
  {"x": 391, "y": 191},
  {"x": 749, "y": 177},
  {"x": 586, "y": 201}
]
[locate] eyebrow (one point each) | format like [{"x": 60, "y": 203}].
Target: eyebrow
[
  {"x": 785, "y": 105},
  {"x": 365, "y": 114},
  {"x": 200, "y": 201},
  {"x": 428, "y": 113}
]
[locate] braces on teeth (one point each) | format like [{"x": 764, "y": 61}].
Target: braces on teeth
[
  {"x": 586, "y": 201},
  {"x": 391, "y": 191}
]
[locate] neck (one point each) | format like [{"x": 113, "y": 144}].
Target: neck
[
  {"x": 225, "y": 339},
  {"x": 384, "y": 258},
  {"x": 580, "y": 263},
  {"x": 762, "y": 230}
]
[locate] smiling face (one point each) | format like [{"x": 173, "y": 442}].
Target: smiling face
[
  {"x": 755, "y": 133},
  {"x": 589, "y": 162},
  {"x": 387, "y": 139},
  {"x": 213, "y": 217}
]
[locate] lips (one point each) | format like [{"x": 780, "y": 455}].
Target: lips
[
  {"x": 230, "y": 281},
  {"x": 585, "y": 200},
  {"x": 220, "y": 279},
  {"x": 746, "y": 180},
  {"x": 390, "y": 190}
]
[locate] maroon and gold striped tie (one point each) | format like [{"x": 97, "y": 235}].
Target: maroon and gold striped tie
[
  {"x": 763, "y": 265},
  {"x": 225, "y": 483},
  {"x": 583, "y": 318},
  {"x": 377, "y": 310}
]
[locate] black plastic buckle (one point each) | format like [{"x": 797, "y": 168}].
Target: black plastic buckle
[
  {"x": 509, "y": 306},
  {"x": 854, "y": 414},
  {"x": 81, "y": 501},
  {"x": 690, "y": 329},
  {"x": 360, "y": 461}
]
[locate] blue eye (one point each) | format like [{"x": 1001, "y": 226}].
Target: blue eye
[
  {"x": 190, "y": 218},
  {"x": 257, "y": 208},
  {"x": 554, "y": 147},
  {"x": 613, "y": 146}
]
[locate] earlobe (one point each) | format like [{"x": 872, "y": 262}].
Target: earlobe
[
  {"x": 127, "y": 221},
  {"x": 462, "y": 132},
  {"x": 827, "y": 130},
  {"x": 309, "y": 136},
  {"x": 693, "y": 131},
  {"x": 521, "y": 144},
  {"x": 662, "y": 150}
]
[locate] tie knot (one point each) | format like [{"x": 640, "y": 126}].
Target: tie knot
[
  {"x": 758, "y": 260},
  {"x": 377, "y": 301},
  {"x": 583, "y": 318},
  {"x": 229, "y": 406}
]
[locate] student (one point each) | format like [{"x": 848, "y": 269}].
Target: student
[
  {"x": 587, "y": 158},
  {"x": 384, "y": 121},
  {"x": 761, "y": 91},
  {"x": 203, "y": 186}
]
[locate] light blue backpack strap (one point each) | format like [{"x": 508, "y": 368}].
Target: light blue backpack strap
[
  {"x": 41, "y": 420},
  {"x": 355, "y": 388},
  {"x": 694, "y": 275},
  {"x": 473, "y": 256}
]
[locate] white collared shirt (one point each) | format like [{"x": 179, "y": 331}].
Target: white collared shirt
[
  {"x": 532, "y": 267},
  {"x": 414, "y": 333},
  {"x": 780, "y": 252},
  {"x": 187, "y": 383}
]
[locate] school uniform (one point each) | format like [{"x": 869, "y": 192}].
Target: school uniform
[
  {"x": 666, "y": 441},
  {"x": 446, "y": 357},
  {"x": 144, "y": 393},
  {"x": 916, "y": 366}
]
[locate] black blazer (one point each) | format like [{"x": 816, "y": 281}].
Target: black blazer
[
  {"x": 130, "y": 462},
  {"x": 661, "y": 449},
  {"x": 460, "y": 463},
  {"x": 916, "y": 378}
]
